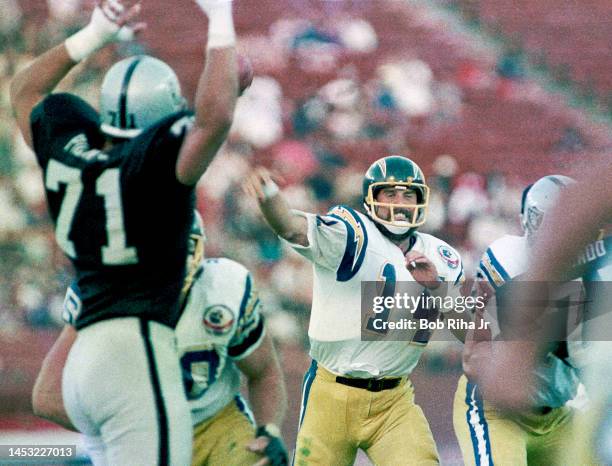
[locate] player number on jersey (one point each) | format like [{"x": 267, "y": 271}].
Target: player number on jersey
[
  {"x": 108, "y": 186},
  {"x": 389, "y": 277},
  {"x": 200, "y": 370}
]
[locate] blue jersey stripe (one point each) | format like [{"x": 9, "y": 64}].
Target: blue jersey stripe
[
  {"x": 479, "y": 429},
  {"x": 498, "y": 267}
]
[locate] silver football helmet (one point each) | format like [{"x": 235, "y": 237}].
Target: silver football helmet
[
  {"x": 137, "y": 92},
  {"x": 538, "y": 199}
]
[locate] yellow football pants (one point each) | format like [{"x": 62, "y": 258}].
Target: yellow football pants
[
  {"x": 336, "y": 420},
  {"x": 222, "y": 439},
  {"x": 488, "y": 437}
]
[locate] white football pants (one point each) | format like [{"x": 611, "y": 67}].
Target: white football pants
[{"x": 122, "y": 383}]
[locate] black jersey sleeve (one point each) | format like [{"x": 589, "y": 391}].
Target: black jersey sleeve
[{"x": 57, "y": 119}]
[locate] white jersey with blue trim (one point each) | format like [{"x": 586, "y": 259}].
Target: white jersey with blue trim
[
  {"x": 504, "y": 260},
  {"x": 221, "y": 324},
  {"x": 346, "y": 249}
]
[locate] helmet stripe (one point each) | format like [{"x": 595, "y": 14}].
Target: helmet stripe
[
  {"x": 556, "y": 180},
  {"x": 382, "y": 163},
  {"x": 123, "y": 116}
]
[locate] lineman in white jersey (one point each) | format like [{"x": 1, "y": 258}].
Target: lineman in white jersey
[
  {"x": 357, "y": 393},
  {"x": 220, "y": 334},
  {"x": 574, "y": 241},
  {"x": 534, "y": 436}
]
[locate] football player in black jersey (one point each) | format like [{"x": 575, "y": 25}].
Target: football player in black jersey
[{"x": 119, "y": 183}]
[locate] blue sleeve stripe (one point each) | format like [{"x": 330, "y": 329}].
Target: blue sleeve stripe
[
  {"x": 245, "y": 296},
  {"x": 495, "y": 263},
  {"x": 459, "y": 276},
  {"x": 328, "y": 223},
  {"x": 350, "y": 265},
  {"x": 483, "y": 270},
  {"x": 248, "y": 342}
]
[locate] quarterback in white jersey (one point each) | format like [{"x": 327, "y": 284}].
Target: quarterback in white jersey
[
  {"x": 220, "y": 335},
  {"x": 357, "y": 393},
  {"x": 535, "y": 435}
]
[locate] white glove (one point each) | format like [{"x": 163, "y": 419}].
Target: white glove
[
  {"x": 220, "y": 23},
  {"x": 107, "y": 24},
  {"x": 209, "y": 7}
]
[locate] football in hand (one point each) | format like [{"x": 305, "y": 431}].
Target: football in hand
[{"x": 245, "y": 73}]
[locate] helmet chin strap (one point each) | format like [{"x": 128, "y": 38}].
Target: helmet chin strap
[
  {"x": 392, "y": 232},
  {"x": 397, "y": 230}
]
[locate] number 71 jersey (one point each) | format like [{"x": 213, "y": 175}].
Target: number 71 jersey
[{"x": 120, "y": 214}]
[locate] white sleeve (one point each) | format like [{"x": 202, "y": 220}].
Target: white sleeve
[{"x": 327, "y": 239}]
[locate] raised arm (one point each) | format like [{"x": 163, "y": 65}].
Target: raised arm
[
  {"x": 108, "y": 24},
  {"x": 215, "y": 96},
  {"x": 276, "y": 211}
]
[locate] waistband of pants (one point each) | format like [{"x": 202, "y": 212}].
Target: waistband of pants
[{"x": 369, "y": 384}]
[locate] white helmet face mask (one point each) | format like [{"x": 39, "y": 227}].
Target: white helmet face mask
[
  {"x": 539, "y": 199},
  {"x": 137, "y": 92}
]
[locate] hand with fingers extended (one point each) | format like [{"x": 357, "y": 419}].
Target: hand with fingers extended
[
  {"x": 260, "y": 184},
  {"x": 269, "y": 443},
  {"x": 111, "y": 21},
  {"x": 422, "y": 269}
]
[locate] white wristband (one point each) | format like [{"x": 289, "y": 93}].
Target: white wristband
[
  {"x": 221, "y": 31},
  {"x": 99, "y": 32},
  {"x": 270, "y": 190}
]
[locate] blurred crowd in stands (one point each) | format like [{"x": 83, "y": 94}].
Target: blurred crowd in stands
[{"x": 308, "y": 140}]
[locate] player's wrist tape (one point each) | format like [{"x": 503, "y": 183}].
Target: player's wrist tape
[
  {"x": 221, "y": 31},
  {"x": 275, "y": 451},
  {"x": 270, "y": 189},
  {"x": 99, "y": 32}
]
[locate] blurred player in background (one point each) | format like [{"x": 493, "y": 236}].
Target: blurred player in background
[
  {"x": 119, "y": 184},
  {"x": 357, "y": 393},
  {"x": 574, "y": 242},
  {"x": 535, "y": 435},
  {"x": 220, "y": 334}
]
